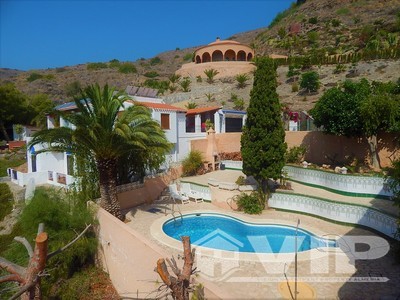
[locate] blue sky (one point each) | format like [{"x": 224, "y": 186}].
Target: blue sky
[{"x": 49, "y": 34}]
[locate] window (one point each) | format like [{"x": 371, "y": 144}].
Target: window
[
  {"x": 165, "y": 121},
  {"x": 33, "y": 158}
]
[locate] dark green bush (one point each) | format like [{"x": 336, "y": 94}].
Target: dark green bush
[
  {"x": 313, "y": 20},
  {"x": 310, "y": 81},
  {"x": 151, "y": 74},
  {"x": 34, "y": 76},
  {"x": 96, "y": 66},
  {"x": 114, "y": 63},
  {"x": 192, "y": 163},
  {"x": 6, "y": 200},
  {"x": 127, "y": 67},
  {"x": 250, "y": 204},
  {"x": 161, "y": 86},
  {"x": 155, "y": 61}
]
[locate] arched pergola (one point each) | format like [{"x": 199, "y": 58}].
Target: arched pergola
[
  {"x": 225, "y": 50},
  {"x": 217, "y": 55},
  {"x": 241, "y": 56},
  {"x": 206, "y": 57},
  {"x": 230, "y": 55}
]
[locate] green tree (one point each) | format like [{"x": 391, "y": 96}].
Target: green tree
[
  {"x": 104, "y": 134},
  {"x": 12, "y": 107},
  {"x": 19, "y": 129},
  {"x": 380, "y": 113},
  {"x": 310, "y": 81},
  {"x": 359, "y": 109},
  {"x": 40, "y": 105},
  {"x": 211, "y": 73},
  {"x": 337, "y": 111},
  {"x": 263, "y": 139}
]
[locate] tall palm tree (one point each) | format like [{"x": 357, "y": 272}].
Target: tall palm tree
[{"x": 105, "y": 133}]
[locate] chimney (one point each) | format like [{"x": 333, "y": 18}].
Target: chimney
[{"x": 218, "y": 39}]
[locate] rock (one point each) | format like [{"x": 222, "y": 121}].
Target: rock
[{"x": 338, "y": 170}]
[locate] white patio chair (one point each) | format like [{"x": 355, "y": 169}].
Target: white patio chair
[
  {"x": 176, "y": 195},
  {"x": 195, "y": 196}
]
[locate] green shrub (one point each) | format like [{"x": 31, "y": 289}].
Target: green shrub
[
  {"x": 241, "y": 180},
  {"x": 313, "y": 20},
  {"x": 238, "y": 104},
  {"x": 339, "y": 69},
  {"x": 313, "y": 37},
  {"x": 34, "y": 76},
  {"x": 114, "y": 63},
  {"x": 250, "y": 204},
  {"x": 210, "y": 73},
  {"x": 295, "y": 154},
  {"x": 342, "y": 11},
  {"x": 151, "y": 74},
  {"x": 9, "y": 162},
  {"x": 199, "y": 79},
  {"x": 127, "y": 67},
  {"x": 161, "y": 86},
  {"x": 185, "y": 84},
  {"x": 6, "y": 200},
  {"x": 63, "y": 219},
  {"x": 310, "y": 81},
  {"x": 87, "y": 284},
  {"x": 335, "y": 22},
  {"x": 188, "y": 56},
  {"x": 174, "y": 78},
  {"x": 96, "y": 66},
  {"x": 241, "y": 80},
  {"x": 155, "y": 61},
  {"x": 192, "y": 163}
]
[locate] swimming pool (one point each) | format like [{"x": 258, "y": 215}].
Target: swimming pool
[{"x": 227, "y": 233}]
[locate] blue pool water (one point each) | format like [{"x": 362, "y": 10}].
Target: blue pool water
[{"x": 231, "y": 234}]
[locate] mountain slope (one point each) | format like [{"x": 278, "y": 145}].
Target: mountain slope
[{"x": 316, "y": 26}]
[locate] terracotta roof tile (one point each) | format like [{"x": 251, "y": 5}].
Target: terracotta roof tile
[
  {"x": 159, "y": 106},
  {"x": 195, "y": 111}
]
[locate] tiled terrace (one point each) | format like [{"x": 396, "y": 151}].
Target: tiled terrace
[{"x": 327, "y": 272}]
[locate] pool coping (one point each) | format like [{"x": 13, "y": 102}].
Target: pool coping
[{"x": 158, "y": 234}]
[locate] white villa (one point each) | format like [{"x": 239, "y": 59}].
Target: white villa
[{"x": 180, "y": 125}]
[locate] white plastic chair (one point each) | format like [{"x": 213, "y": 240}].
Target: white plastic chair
[{"x": 176, "y": 195}]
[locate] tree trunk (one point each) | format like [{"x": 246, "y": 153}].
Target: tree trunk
[
  {"x": 263, "y": 191},
  {"x": 36, "y": 266},
  {"x": 4, "y": 131},
  {"x": 108, "y": 186},
  {"x": 179, "y": 286},
  {"x": 373, "y": 145}
]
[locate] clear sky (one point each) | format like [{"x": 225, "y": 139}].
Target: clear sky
[{"x": 48, "y": 34}]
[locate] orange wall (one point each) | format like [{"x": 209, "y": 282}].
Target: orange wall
[
  {"x": 151, "y": 190},
  {"x": 320, "y": 146}
]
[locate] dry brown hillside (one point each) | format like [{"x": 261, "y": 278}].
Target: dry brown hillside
[{"x": 316, "y": 26}]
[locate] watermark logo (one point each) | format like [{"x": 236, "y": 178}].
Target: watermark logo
[{"x": 322, "y": 264}]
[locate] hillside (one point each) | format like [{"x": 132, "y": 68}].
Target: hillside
[{"x": 316, "y": 27}]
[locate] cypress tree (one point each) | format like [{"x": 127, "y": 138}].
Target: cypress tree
[{"x": 263, "y": 139}]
